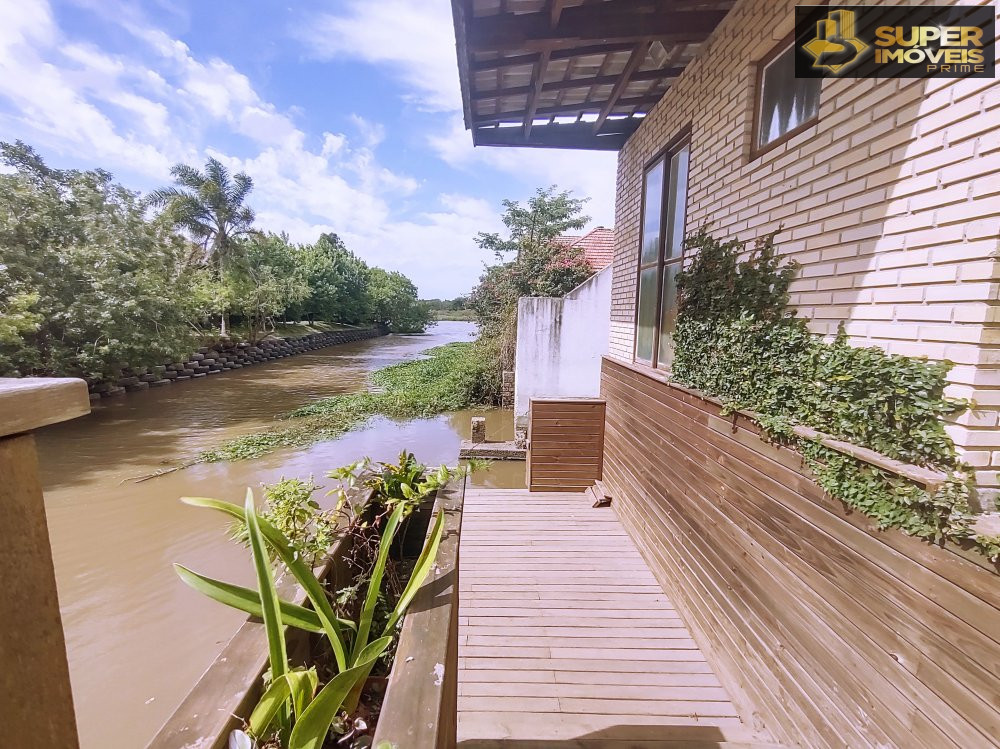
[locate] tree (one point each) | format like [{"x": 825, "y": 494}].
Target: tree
[
  {"x": 541, "y": 267},
  {"x": 394, "y": 302},
  {"x": 210, "y": 206},
  {"x": 547, "y": 215},
  {"x": 338, "y": 282},
  {"x": 88, "y": 284},
  {"x": 264, "y": 280}
]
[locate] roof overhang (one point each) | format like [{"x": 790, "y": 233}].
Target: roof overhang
[{"x": 572, "y": 73}]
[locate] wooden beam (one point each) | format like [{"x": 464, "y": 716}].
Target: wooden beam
[
  {"x": 599, "y": 80},
  {"x": 578, "y": 135},
  {"x": 555, "y": 12},
  {"x": 559, "y": 54},
  {"x": 461, "y": 12},
  {"x": 634, "y": 61},
  {"x": 536, "y": 89},
  {"x": 606, "y": 22},
  {"x": 538, "y": 73},
  {"x": 517, "y": 115}
]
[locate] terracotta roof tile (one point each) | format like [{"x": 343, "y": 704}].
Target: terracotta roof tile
[{"x": 598, "y": 246}]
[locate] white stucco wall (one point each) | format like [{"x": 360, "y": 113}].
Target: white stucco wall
[{"x": 560, "y": 343}]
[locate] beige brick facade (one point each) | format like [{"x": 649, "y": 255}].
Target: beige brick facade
[{"x": 890, "y": 203}]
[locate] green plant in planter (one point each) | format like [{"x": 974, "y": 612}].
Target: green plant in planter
[
  {"x": 406, "y": 482},
  {"x": 737, "y": 339},
  {"x": 289, "y": 506},
  {"x": 291, "y": 709}
]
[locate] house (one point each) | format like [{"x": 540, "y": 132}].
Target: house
[
  {"x": 886, "y": 192},
  {"x": 597, "y": 245}
]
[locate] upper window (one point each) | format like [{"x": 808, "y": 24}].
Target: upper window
[
  {"x": 664, "y": 192},
  {"x": 785, "y": 104}
]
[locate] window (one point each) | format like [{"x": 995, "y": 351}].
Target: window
[
  {"x": 664, "y": 196},
  {"x": 785, "y": 104}
]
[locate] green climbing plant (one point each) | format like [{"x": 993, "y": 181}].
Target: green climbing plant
[{"x": 738, "y": 340}]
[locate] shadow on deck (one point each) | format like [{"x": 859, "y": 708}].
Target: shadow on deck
[{"x": 566, "y": 640}]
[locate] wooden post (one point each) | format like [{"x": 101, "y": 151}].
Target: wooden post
[
  {"x": 35, "y": 698},
  {"x": 478, "y": 429}
]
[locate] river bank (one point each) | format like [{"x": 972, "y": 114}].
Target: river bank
[
  {"x": 137, "y": 637},
  {"x": 224, "y": 356}
]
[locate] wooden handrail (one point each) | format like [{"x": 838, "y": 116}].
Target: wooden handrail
[
  {"x": 36, "y": 701},
  {"x": 420, "y": 710}
]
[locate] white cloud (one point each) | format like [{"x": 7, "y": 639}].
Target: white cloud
[
  {"x": 587, "y": 173},
  {"x": 49, "y": 96},
  {"x": 415, "y": 41},
  {"x": 412, "y": 39},
  {"x": 139, "y": 112}
]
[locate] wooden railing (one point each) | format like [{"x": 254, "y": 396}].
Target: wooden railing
[
  {"x": 35, "y": 697},
  {"x": 420, "y": 710}
]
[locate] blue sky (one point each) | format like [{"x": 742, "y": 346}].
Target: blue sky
[{"x": 346, "y": 113}]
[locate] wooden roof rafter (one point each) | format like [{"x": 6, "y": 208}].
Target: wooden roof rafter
[{"x": 548, "y": 72}]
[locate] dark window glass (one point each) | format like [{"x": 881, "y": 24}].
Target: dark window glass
[
  {"x": 784, "y": 101},
  {"x": 668, "y": 315},
  {"x": 646, "y": 325},
  {"x": 652, "y": 207},
  {"x": 677, "y": 200},
  {"x": 660, "y": 255}
]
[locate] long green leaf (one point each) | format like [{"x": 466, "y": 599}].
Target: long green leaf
[
  {"x": 420, "y": 571},
  {"x": 313, "y": 725},
  {"x": 248, "y": 600},
  {"x": 298, "y": 685},
  {"x": 375, "y": 582},
  {"x": 270, "y": 610},
  {"x": 274, "y": 697},
  {"x": 303, "y": 688},
  {"x": 301, "y": 571}
]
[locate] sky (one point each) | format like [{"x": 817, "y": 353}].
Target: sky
[{"x": 346, "y": 114}]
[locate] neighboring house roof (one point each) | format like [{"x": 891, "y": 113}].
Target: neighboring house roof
[{"x": 598, "y": 246}]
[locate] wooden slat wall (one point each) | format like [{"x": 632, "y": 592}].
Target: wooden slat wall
[
  {"x": 565, "y": 443},
  {"x": 824, "y": 629}
]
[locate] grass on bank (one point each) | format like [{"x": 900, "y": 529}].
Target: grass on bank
[
  {"x": 460, "y": 315},
  {"x": 450, "y": 379}
]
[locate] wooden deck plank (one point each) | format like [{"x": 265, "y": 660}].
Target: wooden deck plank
[{"x": 564, "y": 633}]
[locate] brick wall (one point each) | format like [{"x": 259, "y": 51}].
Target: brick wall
[{"x": 890, "y": 203}]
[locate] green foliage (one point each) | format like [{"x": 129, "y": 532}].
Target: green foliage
[
  {"x": 291, "y": 712},
  {"x": 394, "y": 302},
  {"x": 88, "y": 284},
  {"x": 210, "y": 206},
  {"x": 289, "y": 506},
  {"x": 451, "y": 378},
  {"x": 338, "y": 283},
  {"x": 407, "y": 482},
  {"x": 547, "y": 215},
  {"x": 737, "y": 340},
  {"x": 264, "y": 279}
]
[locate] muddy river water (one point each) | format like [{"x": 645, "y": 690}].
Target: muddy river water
[{"x": 137, "y": 638}]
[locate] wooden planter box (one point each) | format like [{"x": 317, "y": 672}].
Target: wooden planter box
[
  {"x": 229, "y": 690},
  {"x": 420, "y": 708}
]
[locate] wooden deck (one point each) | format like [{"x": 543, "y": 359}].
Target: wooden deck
[{"x": 566, "y": 640}]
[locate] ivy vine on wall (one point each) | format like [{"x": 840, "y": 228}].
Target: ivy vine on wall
[{"x": 738, "y": 340}]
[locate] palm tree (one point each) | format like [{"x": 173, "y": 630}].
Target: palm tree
[{"x": 209, "y": 205}]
